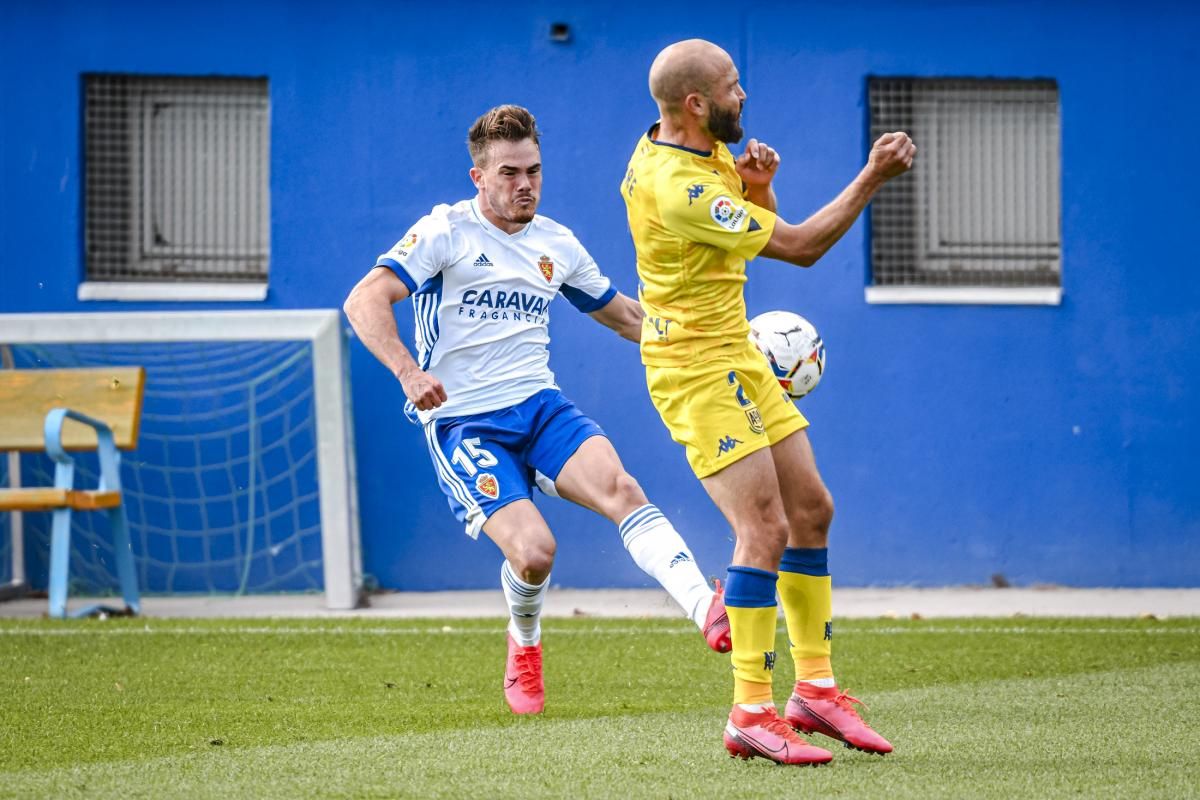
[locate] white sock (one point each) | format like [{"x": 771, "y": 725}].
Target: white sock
[
  {"x": 822, "y": 683},
  {"x": 660, "y": 551},
  {"x": 524, "y": 606},
  {"x": 755, "y": 708}
]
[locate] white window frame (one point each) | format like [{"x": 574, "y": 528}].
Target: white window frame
[
  {"x": 1019, "y": 238},
  {"x": 145, "y": 94}
]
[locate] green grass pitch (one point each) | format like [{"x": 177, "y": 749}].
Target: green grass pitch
[{"x": 1019, "y": 708}]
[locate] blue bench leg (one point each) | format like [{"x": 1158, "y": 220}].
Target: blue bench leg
[
  {"x": 119, "y": 522},
  {"x": 60, "y": 557}
]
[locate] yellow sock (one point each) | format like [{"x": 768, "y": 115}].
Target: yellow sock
[
  {"x": 753, "y": 656},
  {"x": 808, "y": 607}
]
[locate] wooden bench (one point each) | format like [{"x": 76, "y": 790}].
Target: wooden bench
[{"x": 105, "y": 408}]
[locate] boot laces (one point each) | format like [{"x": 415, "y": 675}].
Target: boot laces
[
  {"x": 780, "y": 728},
  {"x": 846, "y": 702},
  {"x": 528, "y": 661}
]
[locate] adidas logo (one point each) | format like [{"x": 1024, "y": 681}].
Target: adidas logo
[
  {"x": 680, "y": 558},
  {"x": 482, "y": 261}
]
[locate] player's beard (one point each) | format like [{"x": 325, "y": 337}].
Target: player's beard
[{"x": 725, "y": 125}]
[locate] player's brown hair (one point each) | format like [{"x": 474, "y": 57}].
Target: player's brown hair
[{"x": 506, "y": 123}]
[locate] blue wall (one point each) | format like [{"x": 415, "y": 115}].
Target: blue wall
[{"x": 1050, "y": 444}]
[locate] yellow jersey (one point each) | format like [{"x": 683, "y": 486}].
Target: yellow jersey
[{"x": 693, "y": 230}]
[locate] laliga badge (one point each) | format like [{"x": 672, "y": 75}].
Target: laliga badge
[
  {"x": 487, "y": 485},
  {"x": 407, "y": 244},
  {"x": 727, "y": 214}
]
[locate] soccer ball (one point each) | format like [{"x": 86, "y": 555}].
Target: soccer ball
[{"x": 794, "y": 348}]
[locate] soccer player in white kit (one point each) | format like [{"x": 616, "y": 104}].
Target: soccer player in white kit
[{"x": 482, "y": 274}]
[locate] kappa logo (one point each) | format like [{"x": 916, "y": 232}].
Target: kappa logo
[
  {"x": 487, "y": 485},
  {"x": 829, "y": 631},
  {"x": 483, "y": 261},
  {"x": 680, "y": 558},
  {"x": 547, "y": 268},
  {"x": 694, "y": 191},
  {"x": 727, "y": 214},
  {"x": 727, "y": 444},
  {"x": 769, "y": 660}
]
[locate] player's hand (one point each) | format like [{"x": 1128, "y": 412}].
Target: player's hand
[
  {"x": 422, "y": 389},
  {"x": 757, "y": 166},
  {"x": 892, "y": 155}
]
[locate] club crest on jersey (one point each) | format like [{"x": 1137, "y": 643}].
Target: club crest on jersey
[
  {"x": 487, "y": 485},
  {"x": 726, "y": 214},
  {"x": 407, "y": 244},
  {"x": 754, "y": 417},
  {"x": 547, "y": 268}
]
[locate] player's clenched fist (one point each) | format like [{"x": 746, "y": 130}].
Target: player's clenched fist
[
  {"x": 757, "y": 166},
  {"x": 892, "y": 155},
  {"x": 423, "y": 390}
]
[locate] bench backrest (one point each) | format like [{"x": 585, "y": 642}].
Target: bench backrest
[{"x": 112, "y": 395}]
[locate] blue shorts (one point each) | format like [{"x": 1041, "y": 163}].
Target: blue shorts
[{"x": 486, "y": 461}]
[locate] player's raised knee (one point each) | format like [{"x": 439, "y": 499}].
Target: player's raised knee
[
  {"x": 532, "y": 561},
  {"x": 627, "y": 491}
]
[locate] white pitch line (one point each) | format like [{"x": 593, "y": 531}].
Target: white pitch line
[{"x": 550, "y": 630}]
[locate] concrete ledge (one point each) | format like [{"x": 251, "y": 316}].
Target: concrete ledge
[{"x": 627, "y": 603}]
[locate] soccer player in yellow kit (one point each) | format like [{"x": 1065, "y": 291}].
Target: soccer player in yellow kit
[{"x": 697, "y": 215}]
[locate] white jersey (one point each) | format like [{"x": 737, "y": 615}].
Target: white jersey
[{"x": 481, "y": 298}]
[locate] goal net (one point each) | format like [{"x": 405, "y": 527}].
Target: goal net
[{"x": 242, "y": 480}]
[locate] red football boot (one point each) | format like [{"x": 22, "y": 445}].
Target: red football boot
[
  {"x": 716, "y": 622},
  {"x": 523, "y": 687},
  {"x": 765, "y": 735},
  {"x": 813, "y": 709}
]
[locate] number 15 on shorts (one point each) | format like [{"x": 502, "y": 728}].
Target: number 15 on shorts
[{"x": 470, "y": 457}]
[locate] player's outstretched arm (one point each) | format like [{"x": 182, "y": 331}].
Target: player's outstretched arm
[
  {"x": 622, "y": 314},
  {"x": 369, "y": 309},
  {"x": 891, "y": 155}
]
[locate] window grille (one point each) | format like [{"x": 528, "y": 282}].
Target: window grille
[
  {"x": 981, "y": 207},
  {"x": 176, "y": 179}
]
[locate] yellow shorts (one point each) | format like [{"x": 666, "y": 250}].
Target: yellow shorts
[{"x": 723, "y": 409}]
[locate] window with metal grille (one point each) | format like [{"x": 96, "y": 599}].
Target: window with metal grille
[
  {"x": 977, "y": 218},
  {"x": 176, "y": 179}
]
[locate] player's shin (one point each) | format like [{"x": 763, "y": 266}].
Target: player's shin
[
  {"x": 524, "y": 605},
  {"x": 660, "y": 551},
  {"x": 750, "y": 602},
  {"x": 805, "y": 590}
]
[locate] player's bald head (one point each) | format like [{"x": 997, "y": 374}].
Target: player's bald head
[{"x": 693, "y": 65}]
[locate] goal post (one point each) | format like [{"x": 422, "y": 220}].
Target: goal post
[
  {"x": 12, "y": 563},
  {"x": 258, "y": 408}
]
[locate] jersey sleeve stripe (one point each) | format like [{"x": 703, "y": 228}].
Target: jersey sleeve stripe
[
  {"x": 401, "y": 273},
  {"x": 584, "y": 301}
]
